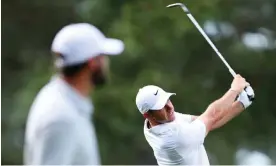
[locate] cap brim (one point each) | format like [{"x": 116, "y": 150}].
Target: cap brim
[
  {"x": 162, "y": 101},
  {"x": 112, "y": 46}
]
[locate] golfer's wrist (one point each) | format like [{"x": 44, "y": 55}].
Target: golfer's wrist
[{"x": 235, "y": 91}]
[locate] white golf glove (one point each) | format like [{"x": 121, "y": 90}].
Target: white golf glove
[{"x": 244, "y": 98}]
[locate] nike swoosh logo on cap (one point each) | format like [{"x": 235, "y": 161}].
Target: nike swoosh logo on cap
[{"x": 156, "y": 93}]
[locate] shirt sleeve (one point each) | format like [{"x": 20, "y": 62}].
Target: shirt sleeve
[
  {"x": 185, "y": 117},
  {"x": 56, "y": 144},
  {"x": 193, "y": 133}
]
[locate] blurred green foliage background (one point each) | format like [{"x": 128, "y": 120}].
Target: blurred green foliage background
[{"x": 163, "y": 48}]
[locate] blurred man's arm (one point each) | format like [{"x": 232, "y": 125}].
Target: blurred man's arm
[{"x": 56, "y": 144}]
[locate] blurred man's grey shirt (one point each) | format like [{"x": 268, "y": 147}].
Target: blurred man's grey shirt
[{"x": 59, "y": 129}]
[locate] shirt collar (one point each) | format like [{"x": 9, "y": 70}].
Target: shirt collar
[
  {"x": 160, "y": 129},
  {"x": 83, "y": 104}
]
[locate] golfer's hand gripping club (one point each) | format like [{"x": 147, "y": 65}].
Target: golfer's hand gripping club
[
  {"x": 248, "y": 89},
  {"x": 250, "y": 93}
]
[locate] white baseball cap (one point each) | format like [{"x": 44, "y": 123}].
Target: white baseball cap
[
  {"x": 151, "y": 97},
  {"x": 80, "y": 42}
]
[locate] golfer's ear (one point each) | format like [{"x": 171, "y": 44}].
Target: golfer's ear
[
  {"x": 146, "y": 115},
  {"x": 93, "y": 64}
]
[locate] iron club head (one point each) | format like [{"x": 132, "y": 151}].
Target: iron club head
[
  {"x": 174, "y": 5},
  {"x": 186, "y": 10}
]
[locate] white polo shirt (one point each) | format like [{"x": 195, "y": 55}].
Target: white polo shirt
[
  {"x": 59, "y": 129},
  {"x": 179, "y": 142}
]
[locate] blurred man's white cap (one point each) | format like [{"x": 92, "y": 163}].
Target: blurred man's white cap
[
  {"x": 151, "y": 97},
  {"x": 80, "y": 42}
]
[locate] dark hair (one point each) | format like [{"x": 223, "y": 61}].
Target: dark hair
[
  {"x": 151, "y": 111},
  {"x": 72, "y": 70}
]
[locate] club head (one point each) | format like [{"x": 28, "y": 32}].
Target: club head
[
  {"x": 175, "y": 5},
  {"x": 186, "y": 10}
]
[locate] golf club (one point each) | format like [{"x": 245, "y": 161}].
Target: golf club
[{"x": 248, "y": 89}]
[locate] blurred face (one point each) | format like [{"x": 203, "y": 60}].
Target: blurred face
[
  {"x": 99, "y": 70},
  {"x": 164, "y": 115}
]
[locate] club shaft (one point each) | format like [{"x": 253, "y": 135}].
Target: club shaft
[{"x": 209, "y": 41}]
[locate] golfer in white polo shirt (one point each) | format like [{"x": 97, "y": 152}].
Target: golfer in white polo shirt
[
  {"x": 59, "y": 129},
  {"x": 176, "y": 138}
]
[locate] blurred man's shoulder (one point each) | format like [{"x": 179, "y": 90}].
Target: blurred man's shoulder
[
  {"x": 49, "y": 101},
  {"x": 47, "y": 96}
]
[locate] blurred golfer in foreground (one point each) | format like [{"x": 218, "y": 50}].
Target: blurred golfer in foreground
[
  {"x": 59, "y": 129},
  {"x": 177, "y": 139}
]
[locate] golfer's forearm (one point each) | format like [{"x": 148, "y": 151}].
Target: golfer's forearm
[
  {"x": 218, "y": 109},
  {"x": 228, "y": 98},
  {"x": 226, "y": 101},
  {"x": 234, "y": 110}
]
